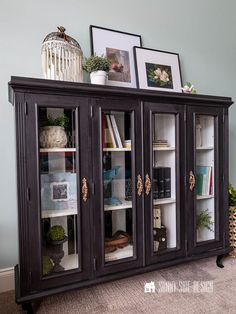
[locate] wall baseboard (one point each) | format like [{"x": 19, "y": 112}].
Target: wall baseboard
[{"x": 7, "y": 279}]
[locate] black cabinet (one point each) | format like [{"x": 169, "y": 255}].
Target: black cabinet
[{"x": 114, "y": 182}]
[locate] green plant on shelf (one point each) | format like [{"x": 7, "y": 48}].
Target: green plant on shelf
[
  {"x": 47, "y": 265},
  {"x": 56, "y": 233},
  {"x": 232, "y": 195},
  {"x": 62, "y": 121},
  {"x": 97, "y": 63},
  {"x": 204, "y": 220}
]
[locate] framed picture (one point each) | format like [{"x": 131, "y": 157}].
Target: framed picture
[
  {"x": 118, "y": 47},
  {"x": 158, "y": 70},
  {"x": 58, "y": 191}
]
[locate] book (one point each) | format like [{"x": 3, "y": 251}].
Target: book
[
  {"x": 104, "y": 131},
  {"x": 203, "y": 180},
  {"x": 116, "y": 131},
  {"x": 156, "y": 216},
  {"x": 111, "y": 131},
  {"x": 167, "y": 182},
  {"x": 158, "y": 174}
]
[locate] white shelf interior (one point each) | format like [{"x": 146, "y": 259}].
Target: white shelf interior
[
  {"x": 205, "y": 148},
  {"x": 168, "y": 219},
  {"x": 164, "y": 201},
  {"x": 125, "y": 204},
  {"x": 70, "y": 261},
  {"x": 203, "y": 197},
  {"x": 57, "y": 150},
  {"x": 164, "y": 128},
  {"x": 168, "y": 148},
  {"x": 50, "y": 213},
  {"x": 120, "y": 253},
  {"x": 206, "y": 137},
  {"x": 206, "y": 234},
  {"x": 117, "y": 149}
]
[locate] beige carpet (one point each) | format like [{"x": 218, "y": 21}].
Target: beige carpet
[{"x": 127, "y": 295}]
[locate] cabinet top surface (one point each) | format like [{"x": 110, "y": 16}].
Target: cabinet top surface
[{"x": 41, "y": 86}]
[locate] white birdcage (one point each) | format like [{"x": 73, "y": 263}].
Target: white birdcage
[{"x": 61, "y": 57}]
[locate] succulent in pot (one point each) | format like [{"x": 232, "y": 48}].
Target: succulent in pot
[
  {"x": 52, "y": 132},
  {"x": 98, "y": 67}
]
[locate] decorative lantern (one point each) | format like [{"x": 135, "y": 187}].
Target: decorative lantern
[{"x": 61, "y": 57}]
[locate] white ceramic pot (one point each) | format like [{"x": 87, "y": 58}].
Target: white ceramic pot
[
  {"x": 98, "y": 77},
  {"x": 52, "y": 136}
]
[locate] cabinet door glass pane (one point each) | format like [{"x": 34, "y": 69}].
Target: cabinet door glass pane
[
  {"x": 117, "y": 143},
  {"x": 204, "y": 173},
  {"x": 164, "y": 182},
  {"x": 58, "y": 189}
]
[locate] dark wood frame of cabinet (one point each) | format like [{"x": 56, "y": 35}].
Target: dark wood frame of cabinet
[{"x": 23, "y": 93}]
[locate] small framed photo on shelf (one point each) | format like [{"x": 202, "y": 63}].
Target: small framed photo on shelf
[
  {"x": 118, "y": 47},
  {"x": 157, "y": 70},
  {"x": 59, "y": 191}
]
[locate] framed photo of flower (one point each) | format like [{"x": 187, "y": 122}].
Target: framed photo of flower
[
  {"x": 158, "y": 70},
  {"x": 118, "y": 47}
]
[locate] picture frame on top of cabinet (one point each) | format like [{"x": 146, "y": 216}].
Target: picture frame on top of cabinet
[
  {"x": 157, "y": 70},
  {"x": 118, "y": 47}
]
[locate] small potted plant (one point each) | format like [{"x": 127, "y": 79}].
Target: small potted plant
[
  {"x": 204, "y": 221},
  {"x": 232, "y": 219},
  {"x": 55, "y": 238},
  {"x": 52, "y": 132},
  {"x": 98, "y": 67},
  {"x": 47, "y": 265}
]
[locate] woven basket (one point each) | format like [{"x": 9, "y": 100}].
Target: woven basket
[{"x": 232, "y": 230}]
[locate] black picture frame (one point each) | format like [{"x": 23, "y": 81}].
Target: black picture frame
[
  {"x": 118, "y": 46},
  {"x": 157, "y": 69}
]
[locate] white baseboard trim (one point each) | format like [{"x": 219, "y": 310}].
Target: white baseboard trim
[{"x": 7, "y": 281}]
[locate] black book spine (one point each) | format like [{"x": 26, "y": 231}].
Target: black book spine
[
  {"x": 160, "y": 182},
  {"x": 167, "y": 182}
]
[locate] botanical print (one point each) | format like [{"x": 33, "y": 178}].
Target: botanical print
[
  {"x": 159, "y": 75},
  {"x": 120, "y": 65}
]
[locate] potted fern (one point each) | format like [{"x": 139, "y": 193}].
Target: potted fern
[
  {"x": 98, "y": 67},
  {"x": 204, "y": 221},
  {"x": 52, "y": 132}
]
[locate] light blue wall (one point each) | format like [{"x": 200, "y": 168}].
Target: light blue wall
[{"x": 203, "y": 32}]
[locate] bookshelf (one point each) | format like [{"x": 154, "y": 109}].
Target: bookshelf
[{"x": 116, "y": 182}]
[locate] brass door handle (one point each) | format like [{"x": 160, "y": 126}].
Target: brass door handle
[
  {"x": 148, "y": 184},
  {"x": 139, "y": 185},
  {"x": 84, "y": 189},
  {"x": 192, "y": 180}
]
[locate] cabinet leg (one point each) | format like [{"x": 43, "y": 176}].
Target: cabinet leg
[
  {"x": 219, "y": 260},
  {"x": 28, "y": 307}
]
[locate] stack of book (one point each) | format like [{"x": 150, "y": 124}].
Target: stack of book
[
  {"x": 161, "y": 182},
  {"x": 111, "y": 134},
  {"x": 204, "y": 180},
  {"x": 160, "y": 143}
]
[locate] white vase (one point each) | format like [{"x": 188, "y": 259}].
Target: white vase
[
  {"x": 52, "y": 136},
  {"x": 98, "y": 77}
]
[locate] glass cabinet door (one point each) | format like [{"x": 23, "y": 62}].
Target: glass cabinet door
[
  {"x": 58, "y": 163},
  {"x": 164, "y": 146},
  {"x": 118, "y": 175},
  {"x": 205, "y": 178},
  {"x": 58, "y": 181}
]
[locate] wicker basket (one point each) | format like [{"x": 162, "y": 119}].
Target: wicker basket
[{"x": 232, "y": 230}]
